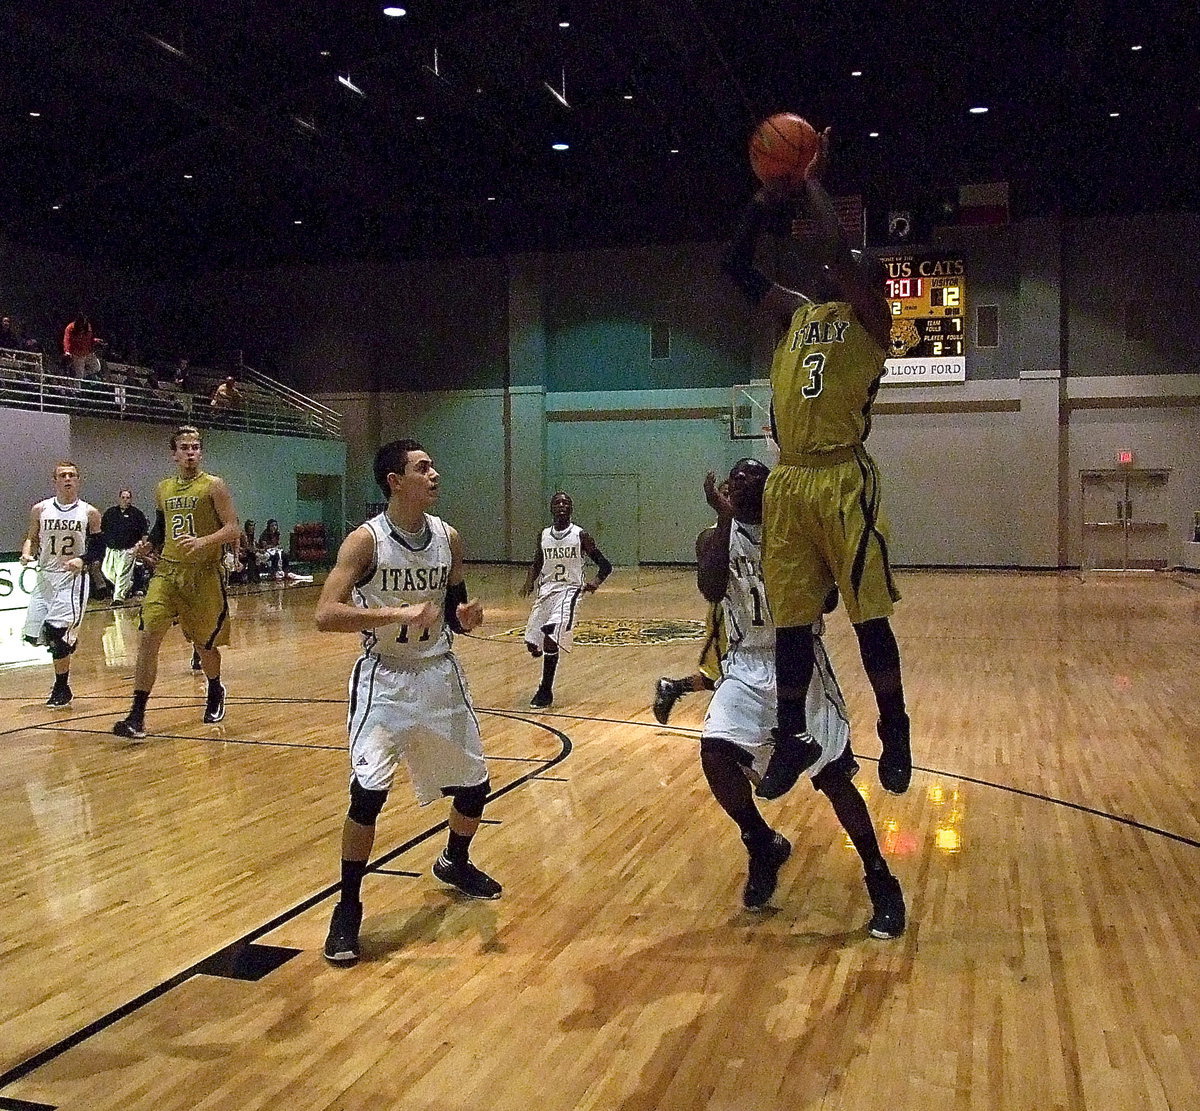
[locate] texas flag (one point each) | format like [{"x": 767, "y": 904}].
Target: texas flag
[{"x": 983, "y": 204}]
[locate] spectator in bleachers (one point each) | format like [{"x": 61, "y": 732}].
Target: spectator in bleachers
[
  {"x": 79, "y": 346},
  {"x": 270, "y": 547},
  {"x": 227, "y": 396},
  {"x": 8, "y": 335},
  {"x": 248, "y": 552}
]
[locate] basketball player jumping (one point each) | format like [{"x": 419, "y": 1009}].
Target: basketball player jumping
[
  {"x": 823, "y": 523},
  {"x": 557, "y": 570},
  {"x": 735, "y": 741},
  {"x": 399, "y": 582},
  {"x": 64, "y": 537},
  {"x": 196, "y": 516}
]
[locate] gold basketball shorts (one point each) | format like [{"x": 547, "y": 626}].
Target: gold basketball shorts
[
  {"x": 823, "y": 527},
  {"x": 192, "y": 594}
]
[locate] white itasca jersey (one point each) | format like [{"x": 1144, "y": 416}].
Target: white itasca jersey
[
  {"x": 404, "y": 574},
  {"x": 750, "y": 655},
  {"x": 562, "y": 558},
  {"x": 63, "y": 534}
]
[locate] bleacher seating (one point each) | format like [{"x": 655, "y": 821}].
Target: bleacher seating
[{"x": 124, "y": 392}]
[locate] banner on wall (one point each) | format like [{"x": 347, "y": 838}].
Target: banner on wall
[{"x": 16, "y": 584}]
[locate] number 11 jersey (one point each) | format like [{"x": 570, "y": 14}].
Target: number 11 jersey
[{"x": 406, "y": 571}]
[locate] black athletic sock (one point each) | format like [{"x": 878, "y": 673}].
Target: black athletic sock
[
  {"x": 881, "y": 661},
  {"x": 60, "y": 681},
  {"x": 352, "y": 877},
  {"x": 214, "y": 686},
  {"x": 795, "y": 657},
  {"x": 138, "y": 710},
  {"x": 458, "y": 846},
  {"x": 851, "y": 810},
  {"x": 730, "y": 787},
  {"x": 549, "y": 666}
]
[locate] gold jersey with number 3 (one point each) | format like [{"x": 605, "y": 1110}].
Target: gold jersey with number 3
[
  {"x": 824, "y": 377},
  {"x": 189, "y": 510}
]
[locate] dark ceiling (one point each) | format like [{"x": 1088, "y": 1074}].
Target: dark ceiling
[{"x": 244, "y": 96}]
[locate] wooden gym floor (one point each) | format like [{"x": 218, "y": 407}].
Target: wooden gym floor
[{"x": 165, "y": 903}]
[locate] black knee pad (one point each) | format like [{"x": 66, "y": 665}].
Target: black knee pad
[
  {"x": 364, "y": 805},
  {"x": 469, "y": 801},
  {"x": 56, "y": 641}
]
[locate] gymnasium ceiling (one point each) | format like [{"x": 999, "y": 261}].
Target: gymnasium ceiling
[{"x": 175, "y": 138}]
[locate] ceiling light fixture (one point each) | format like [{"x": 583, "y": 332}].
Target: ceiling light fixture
[
  {"x": 36, "y": 115},
  {"x": 56, "y": 207},
  {"x": 491, "y": 198},
  {"x": 324, "y": 53},
  {"x": 564, "y": 23},
  {"x": 560, "y": 146},
  {"x": 856, "y": 73},
  {"x": 978, "y": 110},
  {"x": 561, "y": 97},
  {"x": 873, "y": 135},
  {"x": 187, "y": 177},
  {"x": 166, "y": 46},
  {"x": 420, "y": 118},
  {"x": 674, "y": 150},
  {"x": 297, "y": 221},
  {"x": 350, "y": 84},
  {"x": 628, "y": 96},
  {"x": 1113, "y": 115},
  {"x": 1138, "y": 47},
  {"x": 394, "y": 13}
]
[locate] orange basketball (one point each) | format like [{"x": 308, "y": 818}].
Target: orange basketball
[{"x": 781, "y": 150}]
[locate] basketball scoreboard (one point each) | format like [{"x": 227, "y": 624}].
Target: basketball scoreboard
[{"x": 927, "y": 296}]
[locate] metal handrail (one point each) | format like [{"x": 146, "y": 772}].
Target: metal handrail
[{"x": 24, "y": 384}]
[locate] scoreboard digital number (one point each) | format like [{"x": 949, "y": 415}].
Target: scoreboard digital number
[{"x": 927, "y": 294}]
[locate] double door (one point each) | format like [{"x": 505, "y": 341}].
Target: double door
[{"x": 1124, "y": 519}]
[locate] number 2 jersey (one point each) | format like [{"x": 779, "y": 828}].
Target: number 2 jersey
[
  {"x": 824, "y": 376},
  {"x": 562, "y": 559},
  {"x": 406, "y": 572}
]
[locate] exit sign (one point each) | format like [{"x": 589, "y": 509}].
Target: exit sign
[{"x": 1125, "y": 457}]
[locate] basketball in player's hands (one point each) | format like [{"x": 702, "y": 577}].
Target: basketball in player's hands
[{"x": 782, "y": 149}]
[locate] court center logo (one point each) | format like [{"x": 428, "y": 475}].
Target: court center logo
[{"x": 621, "y": 634}]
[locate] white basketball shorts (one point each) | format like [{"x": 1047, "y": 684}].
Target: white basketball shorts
[
  {"x": 59, "y": 598},
  {"x": 420, "y": 713},
  {"x": 743, "y": 713},
  {"x": 555, "y": 606}
]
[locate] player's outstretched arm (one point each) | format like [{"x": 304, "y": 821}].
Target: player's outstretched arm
[
  {"x": 337, "y": 614},
  {"x": 712, "y": 545},
  {"x": 603, "y": 567},
  {"x": 852, "y": 280},
  {"x": 29, "y": 546},
  {"x": 462, "y": 614},
  {"x": 535, "y": 569},
  {"x": 737, "y": 259},
  {"x": 93, "y": 551}
]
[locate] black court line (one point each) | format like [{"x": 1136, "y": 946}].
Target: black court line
[
  {"x": 50, "y": 1053},
  {"x": 397, "y": 872},
  {"x": 1082, "y": 808}
]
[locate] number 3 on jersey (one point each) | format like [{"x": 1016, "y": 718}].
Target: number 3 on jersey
[{"x": 815, "y": 365}]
